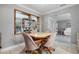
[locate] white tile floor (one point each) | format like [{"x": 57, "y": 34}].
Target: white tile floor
[
  {"x": 64, "y": 42},
  {"x": 63, "y": 39},
  {"x": 61, "y": 45}
]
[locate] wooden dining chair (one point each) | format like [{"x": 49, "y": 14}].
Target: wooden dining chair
[
  {"x": 48, "y": 46},
  {"x": 31, "y": 46}
]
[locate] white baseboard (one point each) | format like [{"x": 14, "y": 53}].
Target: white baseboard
[{"x": 13, "y": 49}]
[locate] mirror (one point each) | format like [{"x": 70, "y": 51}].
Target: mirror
[{"x": 25, "y": 22}]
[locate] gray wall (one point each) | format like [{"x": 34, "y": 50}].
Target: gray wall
[
  {"x": 7, "y": 23},
  {"x": 74, "y": 11},
  {"x": 64, "y": 24},
  {"x": 1, "y": 21},
  {"x": 0, "y": 29}
]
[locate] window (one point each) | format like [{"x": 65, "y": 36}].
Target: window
[{"x": 24, "y": 22}]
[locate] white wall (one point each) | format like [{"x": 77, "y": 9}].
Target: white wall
[
  {"x": 7, "y": 23},
  {"x": 74, "y": 11},
  {"x": 48, "y": 24}
]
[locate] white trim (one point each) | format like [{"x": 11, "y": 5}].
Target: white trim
[
  {"x": 12, "y": 47},
  {"x": 55, "y": 10},
  {"x": 20, "y": 5}
]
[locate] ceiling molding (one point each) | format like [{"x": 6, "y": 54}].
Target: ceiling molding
[
  {"x": 60, "y": 8},
  {"x": 46, "y": 13},
  {"x": 27, "y": 8}
]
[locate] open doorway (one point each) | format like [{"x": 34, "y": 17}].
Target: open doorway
[
  {"x": 61, "y": 25},
  {"x": 64, "y": 28}
]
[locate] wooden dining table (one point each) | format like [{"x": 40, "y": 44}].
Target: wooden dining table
[{"x": 40, "y": 35}]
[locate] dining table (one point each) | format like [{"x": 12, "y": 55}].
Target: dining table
[
  {"x": 40, "y": 35},
  {"x": 43, "y": 36}
]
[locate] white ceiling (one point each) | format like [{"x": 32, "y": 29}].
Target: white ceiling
[
  {"x": 43, "y": 8},
  {"x": 65, "y": 16}
]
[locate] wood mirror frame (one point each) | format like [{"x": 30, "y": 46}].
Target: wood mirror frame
[{"x": 24, "y": 13}]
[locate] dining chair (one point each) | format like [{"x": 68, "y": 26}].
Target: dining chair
[
  {"x": 31, "y": 46},
  {"x": 49, "y": 44}
]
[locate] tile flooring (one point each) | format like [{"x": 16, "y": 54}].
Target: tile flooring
[{"x": 62, "y": 45}]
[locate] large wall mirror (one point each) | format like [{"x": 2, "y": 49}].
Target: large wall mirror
[{"x": 25, "y": 22}]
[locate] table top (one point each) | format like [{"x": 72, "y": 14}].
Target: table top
[{"x": 40, "y": 34}]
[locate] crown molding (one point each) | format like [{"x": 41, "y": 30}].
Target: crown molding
[
  {"x": 60, "y": 8},
  {"x": 46, "y": 13},
  {"x": 27, "y": 8}
]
